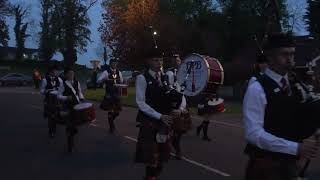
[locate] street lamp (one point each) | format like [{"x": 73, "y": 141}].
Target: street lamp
[{"x": 154, "y": 39}]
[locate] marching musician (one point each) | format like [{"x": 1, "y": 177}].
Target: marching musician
[
  {"x": 50, "y": 83},
  {"x": 171, "y": 73},
  {"x": 36, "y": 78},
  {"x": 153, "y": 146},
  {"x": 70, "y": 94},
  {"x": 209, "y": 105},
  {"x": 110, "y": 77},
  {"x": 271, "y": 130}
]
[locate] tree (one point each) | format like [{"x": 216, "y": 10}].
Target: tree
[
  {"x": 5, "y": 8},
  {"x": 71, "y": 27},
  {"x": 313, "y": 18},
  {"x": 20, "y": 29},
  {"x": 126, "y": 27},
  {"x": 47, "y": 44},
  {"x": 247, "y": 18},
  {"x": 219, "y": 29},
  {"x": 182, "y": 26},
  {"x": 295, "y": 19}
]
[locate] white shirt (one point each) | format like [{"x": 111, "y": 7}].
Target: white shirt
[
  {"x": 44, "y": 84},
  {"x": 253, "y": 79},
  {"x": 171, "y": 75},
  {"x": 105, "y": 76},
  {"x": 172, "y": 83},
  {"x": 141, "y": 86},
  {"x": 254, "y": 105},
  {"x": 69, "y": 83}
]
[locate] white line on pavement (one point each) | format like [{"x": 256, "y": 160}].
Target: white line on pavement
[
  {"x": 193, "y": 162},
  {"x": 219, "y": 122},
  {"x": 130, "y": 138},
  {"x": 184, "y": 158}
]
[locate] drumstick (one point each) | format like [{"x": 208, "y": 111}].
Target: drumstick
[
  {"x": 193, "y": 83},
  {"x": 304, "y": 169},
  {"x": 184, "y": 84}
]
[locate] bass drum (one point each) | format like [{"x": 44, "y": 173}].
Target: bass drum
[{"x": 200, "y": 74}]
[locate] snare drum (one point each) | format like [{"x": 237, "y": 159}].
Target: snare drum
[
  {"x": 83, "y": 113},
  {"x": 200, "y": 74},
  {"x": 122, "y": 90},
  {"x": 53, "y": 97},
  {"x": 213, "y": 106}
]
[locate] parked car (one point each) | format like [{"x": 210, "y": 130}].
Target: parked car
[{"x": 16, "y": 79}]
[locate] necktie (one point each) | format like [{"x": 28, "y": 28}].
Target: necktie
[
  {"x": 158, "y": 79},
  {"x": 285, "y": 87}
]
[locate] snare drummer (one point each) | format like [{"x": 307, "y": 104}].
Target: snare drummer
[
  {"x": 70, "y": 94},
  {"x": 110, "y": 77},
  {"x": 50, "y": 83}
]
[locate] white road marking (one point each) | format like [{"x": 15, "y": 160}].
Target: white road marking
[
  {"x": 130, "y": 138},
  {"x": 193, "y": 162},
  {"x": 183, "y": 158},
  {"x": 92, "y": 124},
  {"x": 222, "y": 123}
]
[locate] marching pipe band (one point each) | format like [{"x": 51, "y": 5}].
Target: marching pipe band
[{"x": 277, "y": 139}]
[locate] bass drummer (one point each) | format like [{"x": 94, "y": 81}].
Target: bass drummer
[
  {"x": 70, "y": 94},
  {"x": 171, "y": 74}
]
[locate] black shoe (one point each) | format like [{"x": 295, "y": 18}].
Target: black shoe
[
  {"x": 70, "y": 149},
  {"x": 199, "y": 130},
  {"x": 206, "y": 138},
  {"x": 52, "y": 134},
  {"x": 111, "y": 131},
  {"x": 178, "y": 156}
]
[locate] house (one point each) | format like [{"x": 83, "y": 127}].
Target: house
[{"x": 9, "y": 53}]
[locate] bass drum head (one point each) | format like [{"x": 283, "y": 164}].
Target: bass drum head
[{"x": 197, "y": 80}]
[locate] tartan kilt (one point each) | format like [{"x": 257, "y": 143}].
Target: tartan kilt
[
  {"x": 183, "y": 123},
  {"x": 148, "y": 151},
  {"x": 111, "y": 103},
  {"x": 271, "y": 169}
]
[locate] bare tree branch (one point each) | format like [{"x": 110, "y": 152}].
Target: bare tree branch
[{"x": 92, "y": 3}]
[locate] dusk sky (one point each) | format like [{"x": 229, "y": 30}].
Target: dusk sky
[{"x": 95, "y": 12}]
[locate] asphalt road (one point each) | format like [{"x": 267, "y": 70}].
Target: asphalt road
[{"x": 27, "y": 153}]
